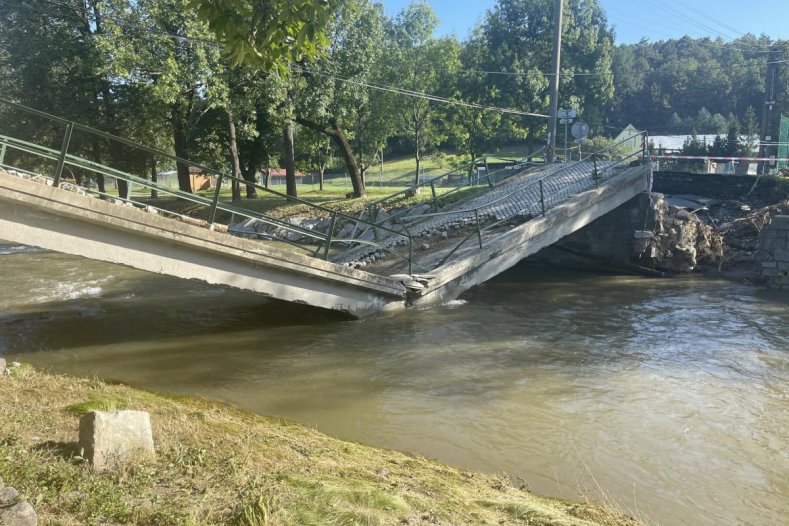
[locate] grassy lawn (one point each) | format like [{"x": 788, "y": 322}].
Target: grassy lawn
[
  {"x": 219, "y": 465},
  {"x": 396, "y": 176}
]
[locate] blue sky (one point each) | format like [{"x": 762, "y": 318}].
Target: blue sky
[{"x": 654, "y": 19}]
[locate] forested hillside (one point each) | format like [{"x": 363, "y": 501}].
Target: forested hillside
[{"x": 368, "y": 85}]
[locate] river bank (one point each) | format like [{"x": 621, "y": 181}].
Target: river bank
[{"x": 219, "y": 465}]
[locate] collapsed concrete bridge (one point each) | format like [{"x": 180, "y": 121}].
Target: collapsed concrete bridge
[
  {"x": 53, "y": 218},
  {"x": 367, "y": 266}
]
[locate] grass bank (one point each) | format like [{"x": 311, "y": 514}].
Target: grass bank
[{"x": 219, "y": 465}]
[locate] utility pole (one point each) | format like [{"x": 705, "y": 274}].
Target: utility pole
[
  {"x": 769, "y": 117},
  {"x": 557, "y": 61}
]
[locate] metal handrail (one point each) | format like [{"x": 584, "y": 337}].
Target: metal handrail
[
  {"x": 372, "y": 208},
  {"x": 460, "y": 169},
  {"x": 538, "y": 188},
  {"x": 63, "y": 158}
]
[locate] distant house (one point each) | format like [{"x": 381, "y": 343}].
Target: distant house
[
  {"x": 278, "y": 176},
  {"x": 630, "y": 139},
  {"x": 197, "y": 179}
]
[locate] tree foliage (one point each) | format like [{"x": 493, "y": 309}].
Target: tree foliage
[{"x": 269, "y": 34}]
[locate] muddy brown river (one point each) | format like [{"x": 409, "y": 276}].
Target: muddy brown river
[{"x": 666, "y": 398}]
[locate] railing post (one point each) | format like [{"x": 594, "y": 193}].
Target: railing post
[
  {"x": 487, "y": 173},
  {"x": 2, "y": 153},
  {"x": 542, "y": 198},
  {"x": 330, "y": 236},
  {"x": 479, "y": 228},
  {"x": 215, "y": 202},
  {"x": 646, "y": 158},
  {"x": 62, "y": 156},
  {"x": 410, "y": 255},
  {"x": 594, "y": 174}
]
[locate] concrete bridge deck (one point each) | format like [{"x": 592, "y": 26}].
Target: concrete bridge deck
[
  {"x": 52, "y": 218},
  {"x": 33, "y": 213}
]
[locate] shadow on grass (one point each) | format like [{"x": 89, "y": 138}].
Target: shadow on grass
[{"x": 66, "y": 450}]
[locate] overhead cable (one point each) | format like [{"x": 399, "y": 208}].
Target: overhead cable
[{"x": 420, "y": 95}]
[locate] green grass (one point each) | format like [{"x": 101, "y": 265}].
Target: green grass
[
  {"x": 218, "y": 465},
  {"x": 398, "y": 174}
]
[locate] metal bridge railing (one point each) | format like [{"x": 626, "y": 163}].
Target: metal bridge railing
[
  {"x": 537, "y": 197},
  {"x": 437, "y": 201},
  {"x": 211, "y": 204}
]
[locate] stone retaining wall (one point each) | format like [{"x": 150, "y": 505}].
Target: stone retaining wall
[{"x": 774, "y": 245}]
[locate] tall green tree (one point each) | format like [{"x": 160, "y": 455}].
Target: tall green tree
[
  {"x": 518, "y": 37},
  {"x": 185, "y": 70},
  {"x": 424, "y": 64},
  {"x": 332, "y": 95}
]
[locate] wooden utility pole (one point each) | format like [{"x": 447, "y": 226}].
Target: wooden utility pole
[
  {"x": 557, "y": 61},
  {"x": 769, "y": 140}
]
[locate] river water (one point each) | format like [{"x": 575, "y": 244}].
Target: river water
[{"x": 666, "y": 398}]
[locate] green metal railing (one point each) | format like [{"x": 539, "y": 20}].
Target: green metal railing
[
  {"x": 212, "y": 204},
  {"x": 490, "y": 179},
  {"x": 539, "y": 196}
]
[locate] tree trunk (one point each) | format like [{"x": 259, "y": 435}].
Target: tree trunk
[
  {"x": 116, "y": 149},
  {"x": 290, "y": 161},
  {"x": 181, "y": 150},
  {"x": 248, "y": 173},
  {"x": 418, "y": 159},
  {"x": 267, "y": 183},
  {"x": 154, "y": 178},
  {"x": 236, "y": 184},
  {"x": 321, "y": 170},
  {"x": 250, "y": 165},
  {"x": 338, "y": 136},
  {"x": 350, "y": 162}
]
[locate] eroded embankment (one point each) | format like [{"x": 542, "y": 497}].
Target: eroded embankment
[
  {"x": 720, "y": 239},
  {"x": 218, "y": 465}
]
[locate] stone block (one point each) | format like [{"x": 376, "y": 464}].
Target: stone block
[
  {"x": 113, "y": 438},
  {"x": 770, "y": 264},
  {"x": 21, "y": 514}
]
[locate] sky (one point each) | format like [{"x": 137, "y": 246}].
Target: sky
[{"x": 634, "y": 19}]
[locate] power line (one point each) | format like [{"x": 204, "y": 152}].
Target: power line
[
  {"x": 420, "y": 95},
  {"x": 711, "y": 19}
]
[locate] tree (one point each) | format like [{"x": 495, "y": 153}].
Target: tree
[
  {"x": 267, "y": 34},
  {"x": 185, "y": 71},
  {"x": 474, "y": 131},
  {"x": 424, "y": 65},
  {"x": 694, "y": 147},
  {"x": 517, "y": 37},
  {"x": 330, "y": 96},
  {"x": 654, "y": 80},
  {"x": 68, "y": 58}
]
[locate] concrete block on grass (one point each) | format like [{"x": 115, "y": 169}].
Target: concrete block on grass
[{"x": 111, "y": 439}]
